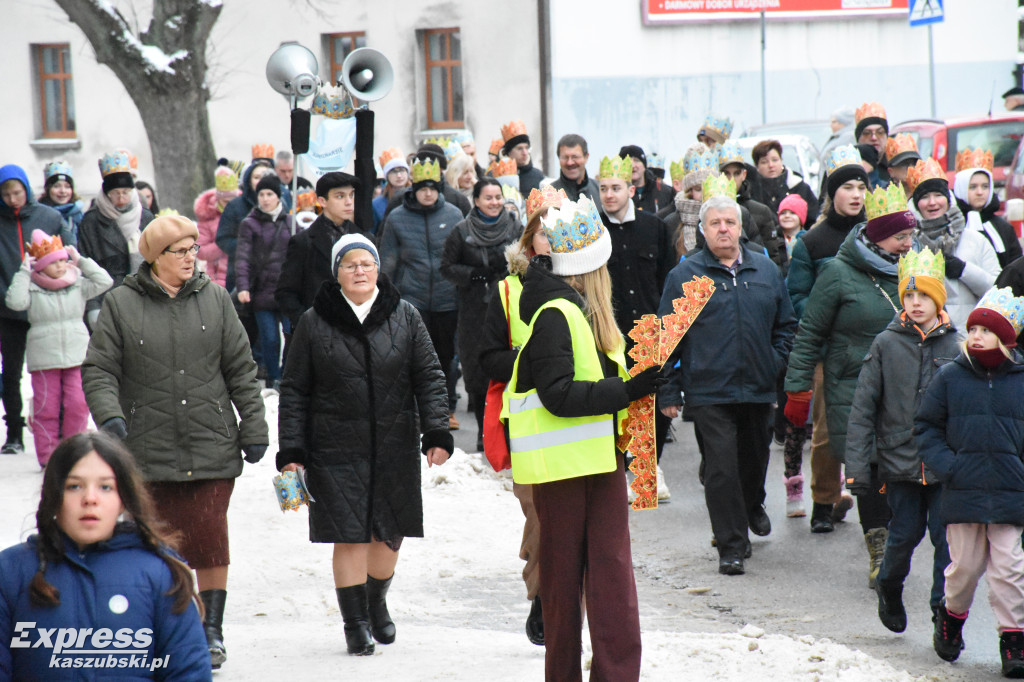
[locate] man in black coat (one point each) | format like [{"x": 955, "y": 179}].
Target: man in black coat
[
  {"x": 307, "y": 262},
  {"x": 650, "y": 194},
  {"x": 573, "y": 178},
  {"x": 517, "y": 148}
]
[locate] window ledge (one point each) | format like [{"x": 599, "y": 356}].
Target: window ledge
[{"x": 56, "y": 143}]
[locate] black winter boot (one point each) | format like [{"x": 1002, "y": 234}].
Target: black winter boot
[
  {"x": 381, "y": 625},
  {"x": 1011, "y": 651},
  {"x": 355, "y": 611},
  {"x": 821, "y": 518},
  {"x": 890, "y": 606},
  {"x": 213, "y": 603},
  {"x": 947, "y": 640},
  {"x": 535, "y": 623},
  {"x": 14, "y": 445}
]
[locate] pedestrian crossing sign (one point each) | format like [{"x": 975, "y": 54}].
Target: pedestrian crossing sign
[{"x": 923, "y": 12}]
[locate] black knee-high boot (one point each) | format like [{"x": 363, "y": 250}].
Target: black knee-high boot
[
  {"x": 213, "y": 603},
  {"x": 381, "y": 625},
  {"x": 355, "y": 612}
]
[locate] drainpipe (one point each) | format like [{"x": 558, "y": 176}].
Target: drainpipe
[{"x": 544, "y": 51}]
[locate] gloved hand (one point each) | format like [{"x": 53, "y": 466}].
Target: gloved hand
[
  {"x": 116, "y": 427},
  {"x": 254, "y": 452},
  {"x": 645, "y": 383},
  {"x": 27, "y": 263},
  {"x": 954, "y": 267},
  {"x": 480, "y": 274},
  {"x": 857, "y": 488},
  {"x": 798, "y": 406},
  {"x": 73, "y": 254}
]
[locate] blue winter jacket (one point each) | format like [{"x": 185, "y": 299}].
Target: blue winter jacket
[
  {"x": 117, "y": 590},
  {"x": 970, "y": 432},
  {"x": 16, "y": 230},
  {"x": 738, "y": 345}
]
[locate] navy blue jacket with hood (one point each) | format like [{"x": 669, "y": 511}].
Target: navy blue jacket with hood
[
  {"x": 117, "y": 585},
  {"x": 16, "y": 230},
  {"x": 970, "y": 432},
  {"x": 231, "y": 219}
]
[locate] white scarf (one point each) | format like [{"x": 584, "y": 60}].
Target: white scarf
[{"x": 361, "y": 309}]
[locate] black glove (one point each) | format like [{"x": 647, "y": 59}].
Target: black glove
[
  {"x": 116, "y": 427},
  {"x": 254, "y": 452},
  {"x": 857, "y": 489},
  {"x": 954, "y": 267},
  {"x": 480, "y": 274},
  {"x": 645, "y": 383}
]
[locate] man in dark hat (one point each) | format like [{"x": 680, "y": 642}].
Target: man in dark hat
[
  {"x": 651, "y": 195},
  {"x": 1013, "y": 99}
]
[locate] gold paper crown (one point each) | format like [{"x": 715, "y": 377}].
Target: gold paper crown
[
  {"x": 573, "y": 226},
  {"x": 677, "y": 169},
  {"x": 977, "y": 158},
  {"x": 869, "y": 110},
  {"x": 263, "y": 151},
  {"x": 925, "y": 169},
  {"x": 39, "y": 249},
  {"x": 899, "y": 144},
  {"x": 1006, "y": 304},
  {"x": 923, "y": 263},
  {"x": 718, "y": 186},
  {"x": 389, "y": 154},
  {"x": 512, "y": 129},
  {"x": 133, "y": 161},
  {"x": 882, "y": 202},
  {"x": 543, "y": 198},
  {"x": 615, "y": 167},
  {"x": 425, "y": 170},
  {"x": 115, "y": 163},
  {"x": 495, "y": 147},
  {"x": 440, "y": 141},
  {"x": 333, "y": 102},
  {"x": 166, "y": 212},
  {"x": 225, "y": 181},
  {"x": 504, "y": 168}
]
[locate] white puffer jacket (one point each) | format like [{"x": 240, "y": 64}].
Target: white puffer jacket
[
  {"x": 58, "y": 337},
  {"x": 980, "y": 271}
]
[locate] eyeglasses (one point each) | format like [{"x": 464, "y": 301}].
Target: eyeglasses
[
  {"x": 180, "y": 253},
  {"x": 352, "y": 267},
  {"x": 902, "y": 238}
]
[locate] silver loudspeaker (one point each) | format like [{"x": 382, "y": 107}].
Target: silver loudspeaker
[
  {"x": 292, "y": 70},
  {"x": 367, "y": 74}
]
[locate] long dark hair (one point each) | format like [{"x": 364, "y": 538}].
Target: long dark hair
[
  {"x": 142, "y": 184},
  {"x": 137, "y": 504}
]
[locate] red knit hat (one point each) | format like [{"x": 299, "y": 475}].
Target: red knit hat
[{"x": 796, "y": 204}]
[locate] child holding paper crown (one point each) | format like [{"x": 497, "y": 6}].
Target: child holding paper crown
[
  {"x": 898, "y": 368},
  {"x": 970, "y": 431},
  {"x": 53, "y": 284}
]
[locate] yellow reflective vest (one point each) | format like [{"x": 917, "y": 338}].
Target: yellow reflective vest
[
  {"x": 518, "y": 330},
  {"x": 547, "y": 448}
]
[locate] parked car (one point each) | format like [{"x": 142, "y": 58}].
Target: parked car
[
  {"x": 798, "y": 153},
  {"x": 818, "y": 131},
  {"x": 1000, "y": 134}
]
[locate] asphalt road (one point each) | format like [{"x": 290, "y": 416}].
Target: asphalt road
[{"x": 796, "y": 583}]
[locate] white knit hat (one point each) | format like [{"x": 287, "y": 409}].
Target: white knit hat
[
  {"x": 579, "y": 241},
  {"x": 347, "y": 243}
]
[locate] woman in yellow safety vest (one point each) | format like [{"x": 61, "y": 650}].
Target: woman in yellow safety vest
[
  {"x": 565, "y": 405},
  {"x": 503, "y": 335}
]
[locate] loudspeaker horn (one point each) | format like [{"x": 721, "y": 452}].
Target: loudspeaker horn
[
  {"x": 367, "y": 74},
  {"x": 292, "y": 70}
]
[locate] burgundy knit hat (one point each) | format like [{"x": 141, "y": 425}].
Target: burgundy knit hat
[
  {"x": 995, "y": 323},
  {"x": 887, "y": 225}
]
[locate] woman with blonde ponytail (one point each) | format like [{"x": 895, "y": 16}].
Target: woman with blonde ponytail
[{"x": 565, "y": 406}]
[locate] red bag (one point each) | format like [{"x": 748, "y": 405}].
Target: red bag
[{"x": 495, "y": 442}]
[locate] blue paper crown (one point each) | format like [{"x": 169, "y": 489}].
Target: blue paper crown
[
  {"x": 729, "y": 152},
  {"x": 115, "y": 163},
  {"x": 1003, "y": 302},
  {"x": 573, "y": 226},
  {"x": 57, "y": 168},
  {"x": 720, "y": 124},
  {"x": 705, "y": 161},
  {"x": 846, "y": 155},
  {"x": 655, "y": 160}
]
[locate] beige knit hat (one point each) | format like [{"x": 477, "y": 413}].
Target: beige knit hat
[{"x": 163, "y": 232}]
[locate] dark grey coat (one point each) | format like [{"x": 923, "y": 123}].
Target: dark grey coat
[
  {"x": 354, "y": 400},
  {"x": 896, "y": 372},
  {"x": 172, "y": 368}
]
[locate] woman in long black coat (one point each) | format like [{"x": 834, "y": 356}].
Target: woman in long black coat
[
  {"x": 361, "y": 383},
  {"x": 474, "y": 260}
]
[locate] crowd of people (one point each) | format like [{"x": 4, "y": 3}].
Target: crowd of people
[{"x": 863, "y": 315}]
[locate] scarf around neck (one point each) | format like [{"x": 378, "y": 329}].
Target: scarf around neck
[
  {"x": 127, "y": 220},
  {"x": 482, "y": 233},
  {"x": 56, "y": 283},
  {"x": 942, "y": 233}
]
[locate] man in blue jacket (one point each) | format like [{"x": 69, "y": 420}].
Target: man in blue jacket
[
  {"x": 728, "y": 365},
  {"x": 19, "y": 216}
]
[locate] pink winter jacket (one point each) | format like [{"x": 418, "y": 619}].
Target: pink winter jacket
[{"x": 207, "y": 219}]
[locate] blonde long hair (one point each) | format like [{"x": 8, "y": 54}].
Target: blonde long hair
[{"x": 596, "y": 289}]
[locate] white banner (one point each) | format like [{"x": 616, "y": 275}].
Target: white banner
[{"x": 332, "y": 147}]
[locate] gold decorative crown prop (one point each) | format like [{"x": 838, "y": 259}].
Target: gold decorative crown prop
[
  {"x": 512, "y": 129},
  {"x": 729, "y": 152},
  {"x": 1006, "y": 304},
  {"x": 718, "y": 186},
  {"x": 900, "y": 143},
  {"x": 573, "y": 225},
  {"x": 333, "y": 102},
  {"x": 115, "y": 163},
  {"x": 505, "y": 168},
  {"x": 46, "y": 246},
  {"x": 869, "y": 110},
  {"x": 616, "y": 167},
  {"x": 677, "y": 169},
  {"x": 974, "y": 158},
  {"x": 882, "y": 202},
  {"x": 925, "y": 169},
  {"x": 542, "y": 199},
  {"x": 495, "y": 147},
  {"x": 263, "y": 151},
  {"x": 389, "y": 154},
  {"x": 425, "y": 170},
  {"x": 843, "y": 155},
  {"x": 923, "y": 263}
]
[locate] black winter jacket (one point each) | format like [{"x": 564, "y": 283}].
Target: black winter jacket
[
  {"x": 653, "y": 196},
  {"x": 307, "y": 264},
  {"x": 1011, "y": 245},
  {"x": 529, "y": 178},
  {"x": 451, "y": 196},
  {"x": 642, "y": 256},
  {"x": 896, "y": 373},
  {"x": 767, "y": 227},
  {"x": 100, "y": 238},
  {"x": 970, "y": 432},
  {"x": 354, "y": 400},
  {"x": 573, "y": 190}
]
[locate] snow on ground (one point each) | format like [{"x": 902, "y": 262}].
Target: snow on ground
[{"x": 457, "y": 597}]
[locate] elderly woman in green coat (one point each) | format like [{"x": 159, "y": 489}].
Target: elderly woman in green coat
[
  {"x": 167, "y": 361},
  {"x": 853, "y": 300}
]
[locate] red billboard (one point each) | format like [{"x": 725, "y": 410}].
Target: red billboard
[{"x": 681, "y": 11}]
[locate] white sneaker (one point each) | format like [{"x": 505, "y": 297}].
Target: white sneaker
[{"x": 663, "y": 493}]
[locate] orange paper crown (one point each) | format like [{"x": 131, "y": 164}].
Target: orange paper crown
[
  {"x": 542, "y": 199},
  {"x": 305, "y": 201},
  {"x": 39, "y": 249},
  {"x": 496, "y": 145},
  {"x": 925, "y": 169},
  {"x": 505, "y": 167},
  {"x": 389, "y": 154},
  {"x": 133, "y": 161},
  {"x": 869, "y": 110},
  {"x": 512, "y": 129},
  {"x": 976, "y": 158},
  {"x": 899, "y": 144},
  {"x": 263, "y": 151}
]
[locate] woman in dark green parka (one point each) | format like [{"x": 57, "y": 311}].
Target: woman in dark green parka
[{"x": 853, "y": 300}]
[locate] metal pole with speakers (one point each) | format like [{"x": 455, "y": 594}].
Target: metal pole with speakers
[{"x": 292, "y": 71}]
